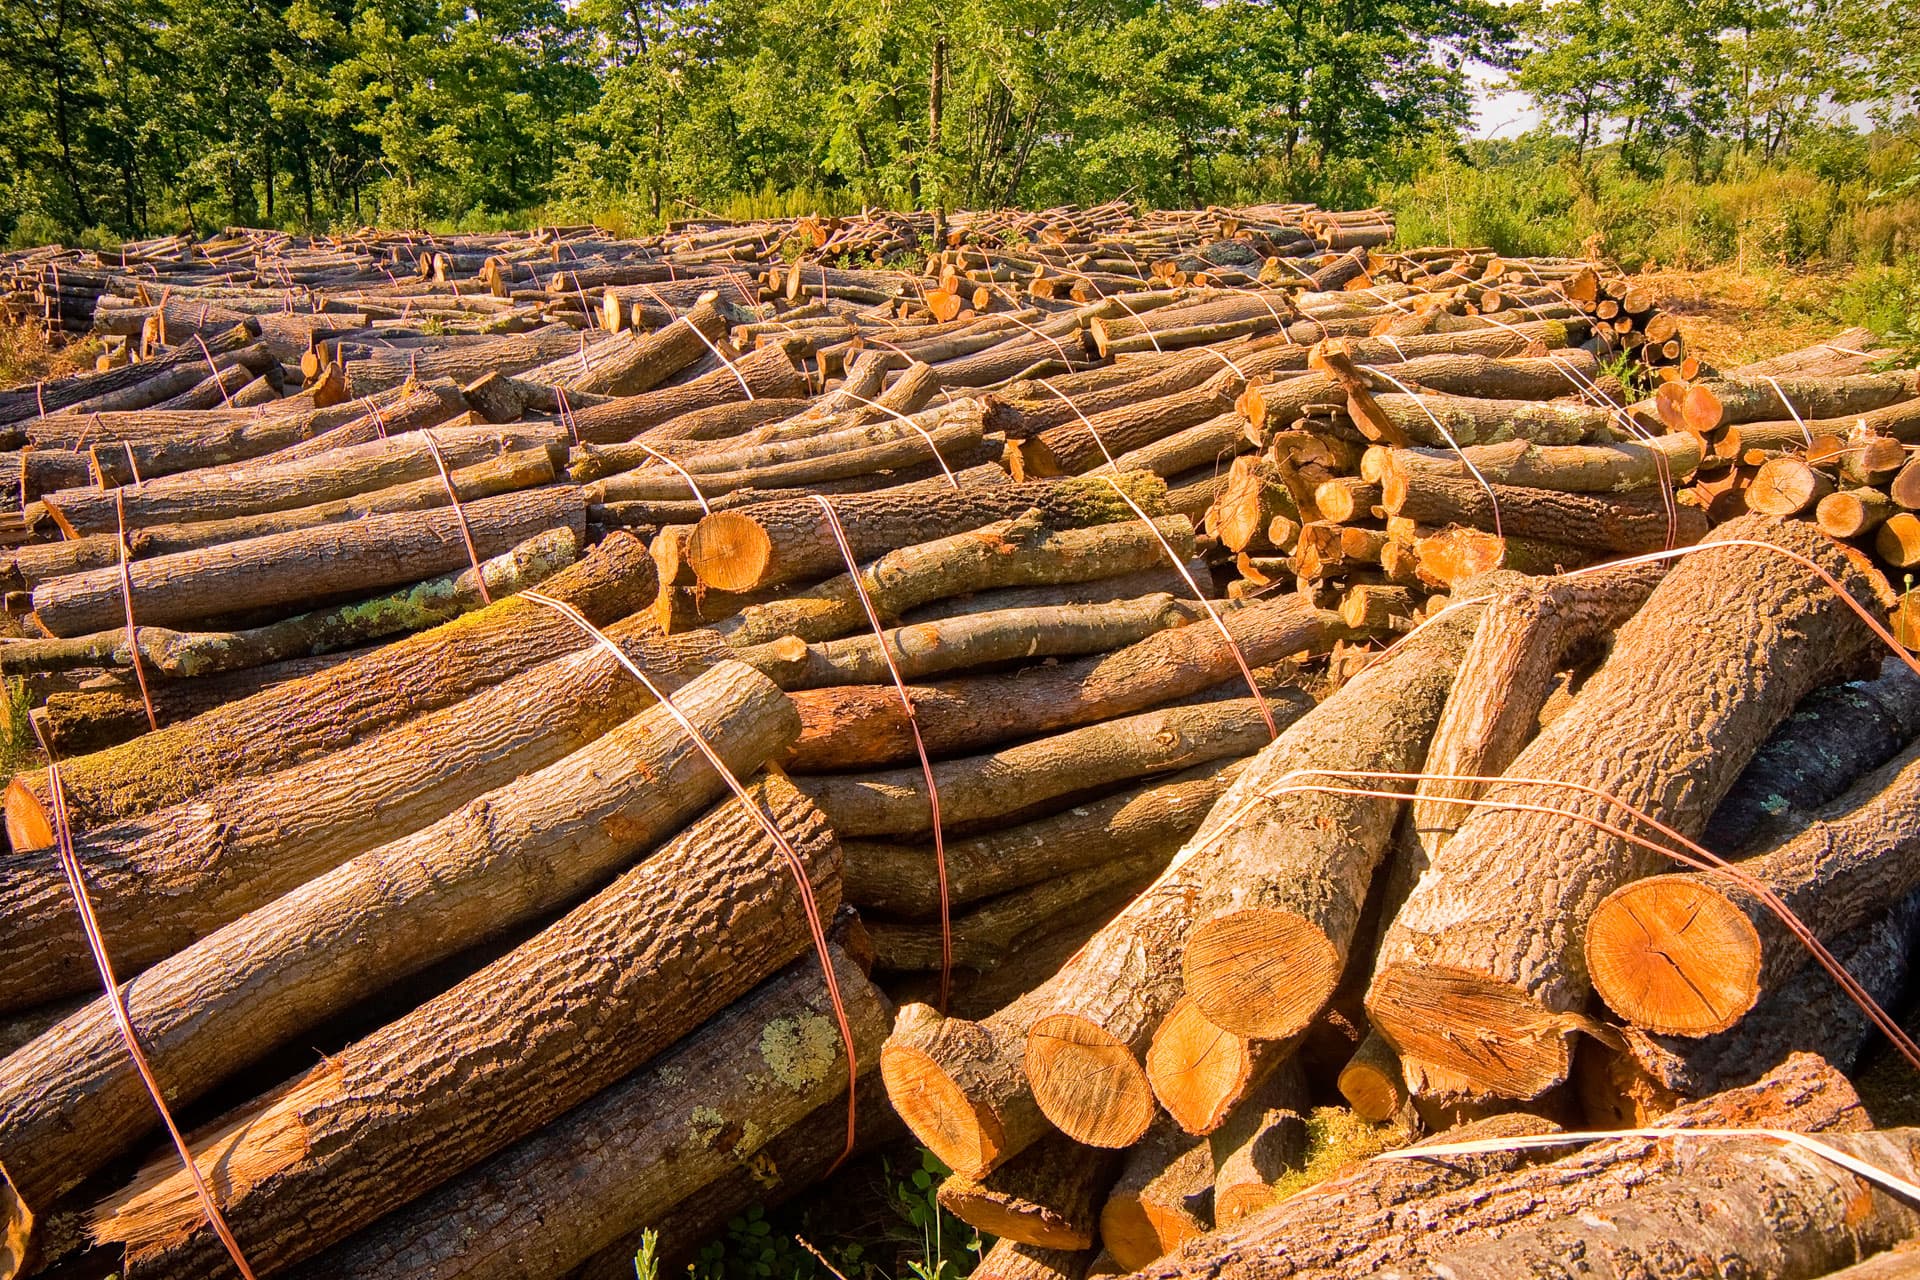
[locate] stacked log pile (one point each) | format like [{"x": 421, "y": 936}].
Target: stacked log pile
[{"x": 1120, "y": 619}]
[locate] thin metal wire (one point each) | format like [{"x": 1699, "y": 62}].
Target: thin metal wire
[
  {"x": 117, "y": 1005},
  {"x": 459, "y": 514},
  {"x": 919, "y": 745},
  {"x": 126, "y": 598},
  {"x": 815, "y": 925}
]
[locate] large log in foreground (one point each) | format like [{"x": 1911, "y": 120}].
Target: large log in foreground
[
  {"x": 70, "y": 1101},
  {"x": 1691, "y": 954},
  {"x": 1786, "y": 1213},
  {"x": 975, "y": 1092},
  {"x": 639, "y": 1153},
  {"x": 162, "y": 880},
  {"x": 1357, "y": 1224},
  {"x": 1481, "y": 971},
  {"x": 501, "y": 1053}
]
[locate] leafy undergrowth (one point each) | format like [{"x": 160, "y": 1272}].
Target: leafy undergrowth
[
  {"x": 27, "y": 355},
  {"x": 876, "y": 1220}
]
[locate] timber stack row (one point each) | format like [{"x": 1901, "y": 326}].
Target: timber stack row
[{"x": 1309, "y": 706}]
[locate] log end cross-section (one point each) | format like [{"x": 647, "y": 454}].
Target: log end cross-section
[
  {"x": 1088, "y": 1082},
  {"x": 1680, "y": 958}
]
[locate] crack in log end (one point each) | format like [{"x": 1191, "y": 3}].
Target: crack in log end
[
  {"x": 1674, "y": 957},
  {"x": 160, "y": 1210},
  {"x": 1260, "y": 972},
  {"x": 1513, "y": 1047},
  {"x": 967, "y": 1138},
  {"x": 1087, "y": 1082}
]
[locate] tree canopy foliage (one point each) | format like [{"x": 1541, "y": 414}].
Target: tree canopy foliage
[{"x": 139, "y": 116}]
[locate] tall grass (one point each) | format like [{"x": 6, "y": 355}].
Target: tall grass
[{"x": 1841, "y": 207}]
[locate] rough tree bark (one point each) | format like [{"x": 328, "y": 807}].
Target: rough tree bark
[{"x": 1481, "y": 972}]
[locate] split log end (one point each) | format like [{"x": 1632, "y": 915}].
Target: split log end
[
  {"x": 968, "y": 1139},
  {"x": 1490, "y": 1034},
  {"x": 1674, "y": 956},
  {"x": 1197, "y": 1069}
]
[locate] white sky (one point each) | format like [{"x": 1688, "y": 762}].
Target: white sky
[{"x": 1498, "y": 113}]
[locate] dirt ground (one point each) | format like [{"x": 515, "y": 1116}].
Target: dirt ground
[{"x": 1731, "y": 319}]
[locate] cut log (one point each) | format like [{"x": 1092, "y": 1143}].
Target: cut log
[
  {"x": 969, "y": 640},
  {"x": 308, "y": 717},
  {"x": 770, "y": 1064},
  {"x": 638, "y": 362},
  {"x": 199, "y": 654},
  {"x": 766, "y": 373},
  {"x": 1852, "y": 513},
  {"x": 1623, "y": 522},
  {"x": 1163, "y": 1199},
  {"x": 1272, "y": 932},
  {"x": 1786, "y": 487},
  {"x": 1807, "y": 1012},
  {"x": 162, "y": 880},
  {"x": 1505, "y": 677},
  {"x": 1007, "y": 1260},
  {"x": 956, "y": 441},
  {"x": 71, "y": 1101},
  {"x": 1754, "y": 399},
  {"x": 1013, "y": 553},
  {"x": 981, "y": 788},
  {"x": 1372, "y": 1083},
  {"x": 214, "y": 494},
  {"x": 520, "y": 469},
  {"x": 792, "y": 1161},
  {"x": 1357, "y": 1223},
  {"x": 285, "y": 568},
  {"x": 1833, "y": 737},
  {"x": 1785, "y": 1213},
  {"x": 1200, "y": 1071},
  {"x": 1265, "y": 1139},
  {"x": 1580, "y": 468},
  {"x": 1158, "y": 816},
  {"x": 1457, "y": 554},
  {"x": 384, "y": 1107},
  {"x": 864, "y": 726},
  {"x": 1480, "y": 973},
  {"x": 1690, "y": 954},
  {"x": 1049, "y": 1196},
  {"x": 1443, "y": 422},
  {"x": 985, "y": 937},
  {"x": 780, "y": 542},
  {"x": 1079, "y": 445}
]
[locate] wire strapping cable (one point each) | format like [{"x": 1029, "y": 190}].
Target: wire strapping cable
[{"x": 815, "y": 925}]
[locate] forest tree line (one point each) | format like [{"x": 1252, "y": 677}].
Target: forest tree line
[{"x": 134, "y": 117}]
